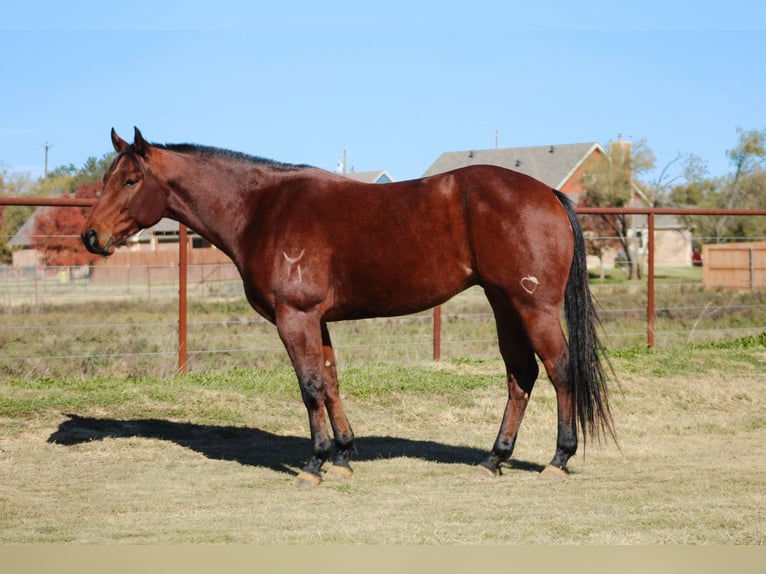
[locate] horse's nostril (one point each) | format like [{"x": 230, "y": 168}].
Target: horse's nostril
[{"x": 90, "y": 239}]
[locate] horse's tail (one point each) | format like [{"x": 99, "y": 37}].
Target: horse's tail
[{"x": 585, "y": 371}]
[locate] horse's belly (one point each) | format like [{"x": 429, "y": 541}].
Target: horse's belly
[{"x": 398, "y": 291}]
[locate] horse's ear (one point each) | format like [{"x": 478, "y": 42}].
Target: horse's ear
[
  {"x": 140, "y": 145},
  {"x": 118, "y": 143}
]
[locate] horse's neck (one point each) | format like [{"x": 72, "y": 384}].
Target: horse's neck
[{"x": 208, "y": 201}]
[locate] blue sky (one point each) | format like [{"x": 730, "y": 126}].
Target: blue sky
[{"x": 394, "y": 84}]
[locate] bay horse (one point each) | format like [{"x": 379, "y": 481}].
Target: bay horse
[{"x": 314, "y": 247}]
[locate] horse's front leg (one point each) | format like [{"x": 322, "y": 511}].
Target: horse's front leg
[{"x": 301, "y": 334}]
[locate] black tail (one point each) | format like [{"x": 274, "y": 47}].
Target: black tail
[{"x": 586, "y": 373}]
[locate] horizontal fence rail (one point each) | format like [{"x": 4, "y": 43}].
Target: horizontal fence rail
[{"x": 430, "y": 326}]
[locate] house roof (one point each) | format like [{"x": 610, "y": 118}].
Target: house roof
[
  {"x": 23, "y": 237},
  {"x": 551, "y": 164},
  {"x": 660, "y": 222},
  {"x": 380, "y": 176},
  {"x": 165, "y": 225}
]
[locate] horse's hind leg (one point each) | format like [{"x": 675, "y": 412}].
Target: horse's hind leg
[
  {"x": 547, "y": 338},
  {"x": 521, "y": 372},
  {"x": 344, "y": 436}
]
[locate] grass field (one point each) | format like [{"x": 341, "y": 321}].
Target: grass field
[{"x": 211, "y": 457}]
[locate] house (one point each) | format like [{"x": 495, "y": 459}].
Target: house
[
  {"x": 24, "y": 256},
  {"x": 565, "y": 167},
  {"x": 560, "y": 166},
  {"x": 672, "y": 240},
  {"x": 370, "y": 176},
  {"x": 156, "y": 247}
]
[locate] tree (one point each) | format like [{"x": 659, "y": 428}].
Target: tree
[
  {"x": 68, "y": 179},
  {"x": 57, "y": 232},
  {"x": 12, "y": 217},
  {"x": 60, "y": 180},
  {"x": 745, "y": 188},
  {"x": 610, "y": 182},
  {"x": 599, "y": 233}
]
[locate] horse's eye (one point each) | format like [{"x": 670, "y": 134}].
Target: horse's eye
[{"x": 130, "y": 182}]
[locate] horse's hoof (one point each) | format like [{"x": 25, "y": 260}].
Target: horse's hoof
[
  {"x": 481, "y": 471},
  {"x": 338, "y": 472},
  {"x": 551, "y": 472},
  {"x": 307, "y": 479}
]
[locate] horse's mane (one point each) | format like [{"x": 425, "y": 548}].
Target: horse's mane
[{"x": 209, "y": 151}]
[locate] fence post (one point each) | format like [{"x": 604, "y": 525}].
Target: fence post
[
  {"x": 183, "y": 254},
  {"x": 650, "y": 283},
  {"x": 437, "y": 332},
  {"x": 751, "y": 253}
]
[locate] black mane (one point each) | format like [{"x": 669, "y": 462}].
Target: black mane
[{"x": 209, "y": 151}]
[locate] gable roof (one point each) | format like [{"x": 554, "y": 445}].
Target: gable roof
[
  {"x": 380, "y": 176},
  {"x": 551, "y": 164},
  {"x": 23, "y": 237}
]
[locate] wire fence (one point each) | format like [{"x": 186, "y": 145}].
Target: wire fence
[{"x": 59, "y": 322}]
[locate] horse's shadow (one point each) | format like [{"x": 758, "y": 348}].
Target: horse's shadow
[{"x": 256, "y": 447}]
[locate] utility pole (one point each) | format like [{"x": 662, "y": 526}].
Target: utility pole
[{"x": 47, "y": 146}]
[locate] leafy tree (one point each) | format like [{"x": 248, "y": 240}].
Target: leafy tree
[
  {"x": 57, "y": 231},
  {"x": 60, "y": 180},
  {"x": 12, "y": 217},
  {"x": 67, "y": 179},
  {"x": 610, "y": 182},
  {"x": 745, "y": 188}
]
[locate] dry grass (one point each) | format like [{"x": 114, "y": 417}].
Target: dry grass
[{"x": 211, "y": 459}]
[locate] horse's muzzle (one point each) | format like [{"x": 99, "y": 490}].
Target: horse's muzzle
[{"x": 90, "y": 239}]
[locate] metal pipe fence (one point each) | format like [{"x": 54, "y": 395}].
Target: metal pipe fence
[{"x": 37, "y": 304}]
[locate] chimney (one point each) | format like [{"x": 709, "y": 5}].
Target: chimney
[
  {"x": 620, "y": 154},
  {"x": 620, "y": 150}
]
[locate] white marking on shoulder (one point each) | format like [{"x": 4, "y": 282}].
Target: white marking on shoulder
[
  {"x": 530, "y": 283},
  {"x": 293, "y": 260}
]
